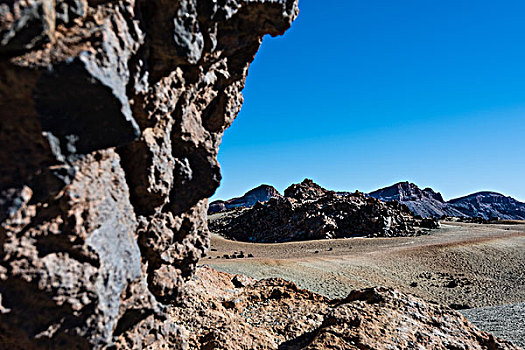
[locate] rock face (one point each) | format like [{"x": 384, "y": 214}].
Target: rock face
[
  {"x": 256, "y": 315},
  {"x": 111, "y": 117},
  {"x": 489, "y": 205},
  {"x": 308, "y": 211},
  {"x": 261, "y": 193},
  {"x": 423, "y": 202}
]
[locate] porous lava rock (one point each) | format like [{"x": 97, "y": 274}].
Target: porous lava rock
[
  {"x": 258, "y": 316},
  {"x": 308, "y": 211},
  {"x": 112, "y": 113}
]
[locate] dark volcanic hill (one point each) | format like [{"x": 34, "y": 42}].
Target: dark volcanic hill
[
  {"x": 424, "y": 202},
  {"x": 489, "y": 205},
  {"x": 308, "y": 211},
  {"x": 260, "y": 193}
]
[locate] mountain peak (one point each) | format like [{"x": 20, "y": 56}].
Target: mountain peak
[
  {"x": 406, "y": 191},
  {"x": 307, "y": 189},
  {"x": 424, "y": 202},
  {"x": 488, "y": 205},
  {"x": 480, "y": 194},
  {"x": 261, "y": 193},
  {"x": 262, "y": 190}
]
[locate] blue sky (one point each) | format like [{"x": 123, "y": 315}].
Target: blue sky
[{"x": 363, "y": 94}]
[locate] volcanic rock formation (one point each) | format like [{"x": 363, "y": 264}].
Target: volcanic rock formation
[
  {"x": 425, "y": 203},
  {"x": 261, "y": 193},
  {"x": 112, "y": 113},
  {"x": 308, "y": 211}
]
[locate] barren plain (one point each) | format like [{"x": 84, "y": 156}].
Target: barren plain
[{"x": 479, "y": 269}]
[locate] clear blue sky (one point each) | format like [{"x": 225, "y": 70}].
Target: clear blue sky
[{"x": 363, "y": 94}]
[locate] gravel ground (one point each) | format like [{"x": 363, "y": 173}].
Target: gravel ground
[
  {"x": 505, "y": 321},
  {"x": 460, "y": 265}
]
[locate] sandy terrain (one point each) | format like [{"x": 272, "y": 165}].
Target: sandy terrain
[{"x": 461, "y": 265}]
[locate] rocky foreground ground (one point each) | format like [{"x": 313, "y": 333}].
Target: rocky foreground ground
[
  {"x": 465, "y": 266},
  {"x": 224, "y": 311}
]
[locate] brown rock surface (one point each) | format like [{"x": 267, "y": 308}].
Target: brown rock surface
[
  {"x": 112, "y": 113},
  {"x": 273, "y": 313}
]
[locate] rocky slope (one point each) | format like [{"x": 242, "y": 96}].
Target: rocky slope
[
  {"x": 237, "y": 312},
  {"x": 423, "y": 202},
  {"x": 261, "y": 193},
  {"x": 308, "y": 211},
  {"x": 112, "y": 113},
  {"x": 488, "y": 205}
]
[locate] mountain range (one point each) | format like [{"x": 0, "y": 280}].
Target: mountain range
[
  {"x": 429, "y": 203},
  {"x": 423, "y": 202}
]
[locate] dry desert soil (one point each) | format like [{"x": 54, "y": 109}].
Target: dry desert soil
[{"x": 479, "y": 269}]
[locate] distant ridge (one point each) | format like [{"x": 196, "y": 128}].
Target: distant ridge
[
  {"x": 489, "y": 205},
  {"x": 423, "y": 202}
]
